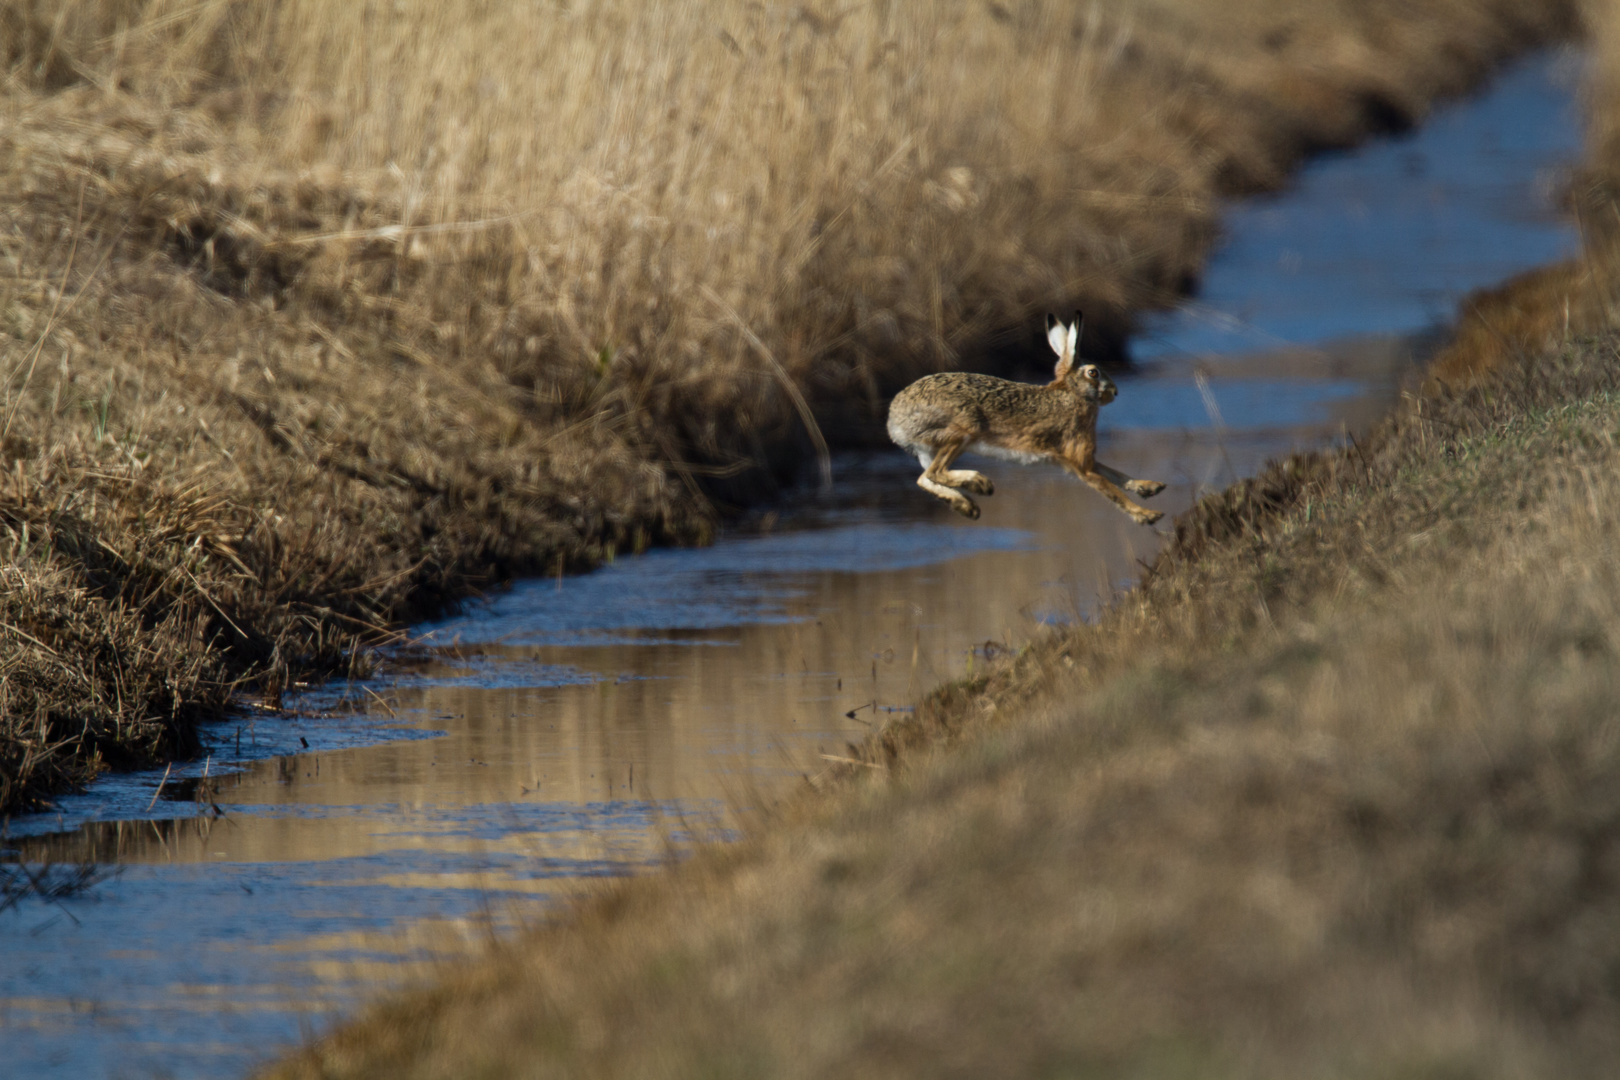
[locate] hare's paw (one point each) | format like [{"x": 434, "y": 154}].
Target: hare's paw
[
  {"x": 1145, "y": 488},
  {"x": 1147, "y": 517},
  {"x": 969, "y": 480},
  {"x": 966, "y": 507},
  {"x": 978, "y": 483}
]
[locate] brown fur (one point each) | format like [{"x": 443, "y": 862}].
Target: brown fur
[{"x": 939, "y": 416}]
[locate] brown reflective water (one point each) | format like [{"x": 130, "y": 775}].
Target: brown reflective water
[{"x": 569, "y": 730}]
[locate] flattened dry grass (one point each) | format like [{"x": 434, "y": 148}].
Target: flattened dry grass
[
  {"x": 207, "y": 495},
  {"x": 314, "y": 316}
]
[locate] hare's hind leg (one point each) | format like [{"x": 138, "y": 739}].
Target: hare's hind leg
[
  {"x": 940, "y": 471},
  {"x": 936, "y": 479},
  {"x": 1145, "y": 488}
]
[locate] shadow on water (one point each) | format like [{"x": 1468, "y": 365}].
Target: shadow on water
[{"x": 572, "y": 729}]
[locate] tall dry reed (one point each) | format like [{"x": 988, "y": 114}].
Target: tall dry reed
[{"x": 872, "y": 190}]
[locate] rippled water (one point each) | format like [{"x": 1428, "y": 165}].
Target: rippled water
[{"x": 571, "y": 729}]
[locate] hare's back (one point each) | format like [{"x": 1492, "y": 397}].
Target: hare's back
[
  {"x": 934, "y": 404},
  {"x": 958, "y": 402}
]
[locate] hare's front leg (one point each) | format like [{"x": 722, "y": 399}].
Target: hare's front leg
[
  {"x": 1145, "y": 488},
  {"x": 1140, "y": 514}
]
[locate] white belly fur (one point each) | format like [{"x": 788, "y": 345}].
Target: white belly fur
[{"x": 1022, "y": 457}]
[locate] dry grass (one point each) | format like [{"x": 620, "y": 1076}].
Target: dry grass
[
  {"x": 869, "y": 191},
  {"x": 1337, "y": 798},
  {"x": 205, "y": 493},
  {"x": 314, "y": 316}
]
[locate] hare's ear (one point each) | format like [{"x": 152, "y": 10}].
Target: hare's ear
[
  {"x": 1074, "y": 335},
  {"x": 1062, "y": 342},
  {"x": 1056, "y": 334}
]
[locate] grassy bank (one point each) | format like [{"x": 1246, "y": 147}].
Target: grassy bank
[
  {"x": 1338, "y": 797},
  {"x": 314, "y": 316}
]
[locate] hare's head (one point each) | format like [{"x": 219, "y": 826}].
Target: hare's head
[
  {"x": 1091, "y": 383},
  {"x": 1087, "y": 380}
]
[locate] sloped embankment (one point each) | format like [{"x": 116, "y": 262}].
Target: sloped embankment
[{"x": 1340, "y": 796}]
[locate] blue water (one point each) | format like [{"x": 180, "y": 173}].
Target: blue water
[
  {"x": 130, "y": 990},
  {"x": 1387, "y": 238},
  {"x": 1242, "y": 404},
  {"x": 738, "y": 581}
]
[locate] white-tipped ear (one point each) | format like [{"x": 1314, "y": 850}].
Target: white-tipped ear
[
  {"x": 1056, "y": 334},
  {"x": 1063, "y": 339},
  {"x": 1074, "y": 336}
]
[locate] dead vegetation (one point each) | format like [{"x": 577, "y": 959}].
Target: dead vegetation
[
  {"x": 315, "y": 316},
  {"x": 1338, "y": 797},
  {"x": 49, "y": 882}
]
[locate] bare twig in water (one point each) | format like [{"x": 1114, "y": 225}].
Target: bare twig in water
[
  {"x": 50, "y": 882},
  {"x": 159, "y": 790},
  {"x": 380, "y": 701},
  {"x": 1215, "y": 420}
]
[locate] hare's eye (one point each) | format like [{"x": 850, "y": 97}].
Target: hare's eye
[{"x": 1089, "y": 372}]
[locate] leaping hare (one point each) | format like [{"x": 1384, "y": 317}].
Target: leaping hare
[{"x": 939, "y": 416}]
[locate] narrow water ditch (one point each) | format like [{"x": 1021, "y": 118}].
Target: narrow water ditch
[{"x": 576, "y": 728}]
